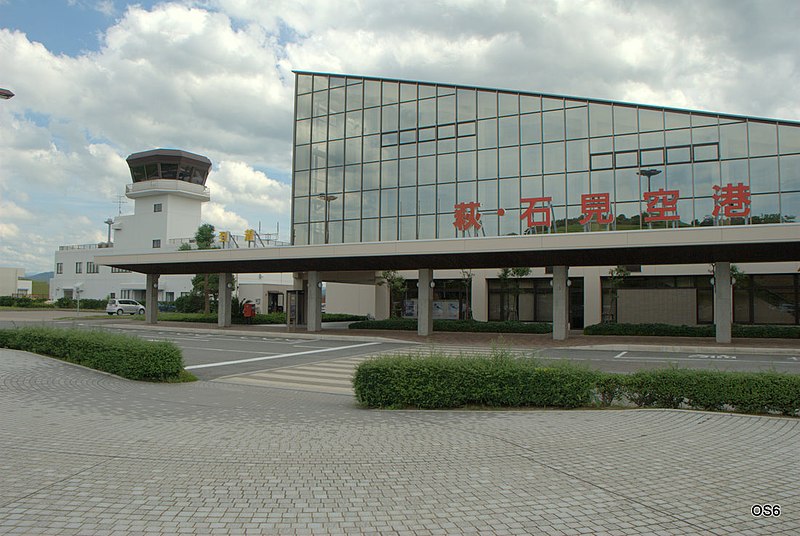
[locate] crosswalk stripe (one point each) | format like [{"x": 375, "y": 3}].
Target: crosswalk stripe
[{"x": 335, "y": 375}]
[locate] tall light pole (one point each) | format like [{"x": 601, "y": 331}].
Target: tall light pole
[
  {"x": 5, "y": 94},
  {"x": 327, "y": 198},
  {"x": 649, "y": 173}
]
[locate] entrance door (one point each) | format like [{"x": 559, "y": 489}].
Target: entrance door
[{"x": 576, "y": 303}]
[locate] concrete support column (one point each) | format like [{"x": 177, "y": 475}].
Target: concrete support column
[
  {"x": 151, "y": 298},
  {"x": 314, "y": 302},
  {"x": 560, "y": 303},
  {"x": 382, "y": 301},
  {"x": 592, "y": 297},
  {"x": 425, "y": 303},
  {"x": 225, "y": 301},
  {"x": 723, "y": 301},
  {"x": 479, "y": 300}
]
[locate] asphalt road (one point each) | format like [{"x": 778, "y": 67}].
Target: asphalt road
[
  {"x": 211, "y": 355},
  {"x": 632, "y": 360}
]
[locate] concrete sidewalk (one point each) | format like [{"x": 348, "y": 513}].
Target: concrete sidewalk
[{"x": 89, "y": 454}]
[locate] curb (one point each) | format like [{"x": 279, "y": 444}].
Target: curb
[{"x": 688, "y": 349}]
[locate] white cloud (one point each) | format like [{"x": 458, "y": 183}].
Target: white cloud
[
  {"x": 223, "y": 220},
  {"x": 214, "y": 77}
]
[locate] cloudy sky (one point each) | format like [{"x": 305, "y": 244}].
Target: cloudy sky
[{"x": 98, "y": 80}]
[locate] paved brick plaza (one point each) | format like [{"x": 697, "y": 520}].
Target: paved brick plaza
[{"x": 87, "y": 453}]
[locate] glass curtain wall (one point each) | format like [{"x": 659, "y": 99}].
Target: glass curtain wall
[{"x": 383, "y": 160}]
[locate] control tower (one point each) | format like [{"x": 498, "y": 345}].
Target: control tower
[{"x": 168, "y": 190}]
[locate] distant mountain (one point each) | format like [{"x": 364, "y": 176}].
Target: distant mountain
[{"x": 44, "y": 276}]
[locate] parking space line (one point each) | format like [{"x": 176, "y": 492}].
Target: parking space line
[{"x": 263, "y": 358}]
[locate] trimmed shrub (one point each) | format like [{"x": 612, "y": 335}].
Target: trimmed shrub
[
  {"x": 669, "y": 330},
  {"x": 499, "y": 380},
  {"x": 410, "y": 324},
  {"x": 440, "y": 381},
  {"x": 123, "y": 355}
]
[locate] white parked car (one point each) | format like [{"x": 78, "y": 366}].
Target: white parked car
[{"x": 121, "y": 307}]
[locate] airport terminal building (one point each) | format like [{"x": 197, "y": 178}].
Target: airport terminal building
[{"x": 450, "y": 184}]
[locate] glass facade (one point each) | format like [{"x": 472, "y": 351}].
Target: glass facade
[{"x": 382, "y": 160}]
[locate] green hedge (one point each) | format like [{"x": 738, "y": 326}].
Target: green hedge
[
  {"x": 123, "y": 355},
  {"x": 271, "y": 318},
  {"x": 439, "y": 381},
  {"x": 668, "y": 330},
  {"x": 410, "y": 324},
  {"x": 88, "y": 303},
  {"x": 24, "y": 302}
]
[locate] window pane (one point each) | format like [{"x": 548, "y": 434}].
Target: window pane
[
  {"x": 650, "y": 120},
  {"x": 509, "y": 162},
  {"x": 626, "y": 159},
  {"x": 408, "y": 228},
  {"x": 530, "y": 128},
  {"x": 336, "y": 126},
  {"x": 487, "y": 195},
  {"x": 447, "y": 109},
  {"x": 553, "y": 125},
  {"x": 705, "y": 152},
  {"x": 353, "y": 124},
  {"x": 577, "y": 185},
  {"x": 487, "y": 164},
  {"x": 303, "y": 107},
  {"x": 705, "y": 135},
  {"x": 531, "y": 156},
  {"x": 303, "y": 83},
  {"x": 789, "y": 139},
  {"x": 487, "y": 104},
  {"x": 577, "y": 123},
  {"x": 426, "y": 199},
  {"x": 391, "y": 92},
  {"x": 372, "y": 148},
  {"x": 408, "y": 172},
  {"x": 320, "y": 103},
  {"x": 354, "y": 97},
  {"x": 446, "y": 198},
  {"x": 509, "y": 193},
  {"x": 677, "y": 155},
  {"x": 352, "y": 178},
  {"x": 600, "y": 120},
  {"x": 790, "y": 173},
  {"x": 336, "y": 153},
  {"x": 467, "y": 108},
  {"x": 508, "y": 103},
  {"x": 487, "y": 133},
  {"x": 602, "y": 161},
  {"x": 676, "y": 120},
  {"x": 446, "y": 168},
  {"x": 372, "y": 93},
  {"x": 408, "y": 92},
  {"x": 624, "y": 119},
  {"x": 467, "y": 166},
  {"x": 706, "y": 176},
  {"x": 352, "y": 205},
  {"x": 763, "y": 140},
  {"x": 652, "y": 157},
  {"x": 427, "y": 227},
  {"x": 651, "y": 139},
  {"x": 389, "y": 202},
  {"x": 763, "y": 175},
  {"x": 372, "y": 121},
  {"x": 733, "y": 172},
  {"x": 427, "y": 170},
  {"x": 301, "y": 183},
  {"x": 389, "y": 174},
  {"x": 336, "y": 104},
  {"x": 733, "y": 141},
  {"x": 528, "y": 103},
  {"x": 509, "y": 130},
  {"x": 369, "y": 230},
  {"x": 408, "y": 201},
  {"x": 553, "y": 157},
  {"x": 303, "y": 131},
  {"x": 390, "y": 121},
  {"x": 578, "y": 155},
  {"x": 371, "y": 176},
  {"x": 319, "y": 129},
  {"x": 427, "y": 112},
  {"x": 680, "y": 178}
]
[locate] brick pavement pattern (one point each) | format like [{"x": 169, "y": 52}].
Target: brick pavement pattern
[{"x": 90, "y": 454}]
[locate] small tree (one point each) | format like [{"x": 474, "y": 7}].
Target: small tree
[
  {"x": 466, "y": 281},
  {"x": 617, "y": 276},
  {"x": 397, "y": 286},
  {"x": 510, "y": 283},
  {"x": 204, "y": 238}
]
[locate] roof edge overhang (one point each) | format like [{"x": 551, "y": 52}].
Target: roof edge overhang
[{"x": 761, "y": 243}]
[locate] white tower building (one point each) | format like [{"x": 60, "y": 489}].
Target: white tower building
[{"x": 168, "y": 190}]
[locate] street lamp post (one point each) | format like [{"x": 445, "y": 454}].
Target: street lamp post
[
  {"x": 327, "y": 198},
  {"x": 649, "y": 173}
]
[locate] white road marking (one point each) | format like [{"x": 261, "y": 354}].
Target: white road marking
[
  {"x": 620, "y": 355},
  {"x": 226, "y": 350},
  {"x": 263, "y": 358}
]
